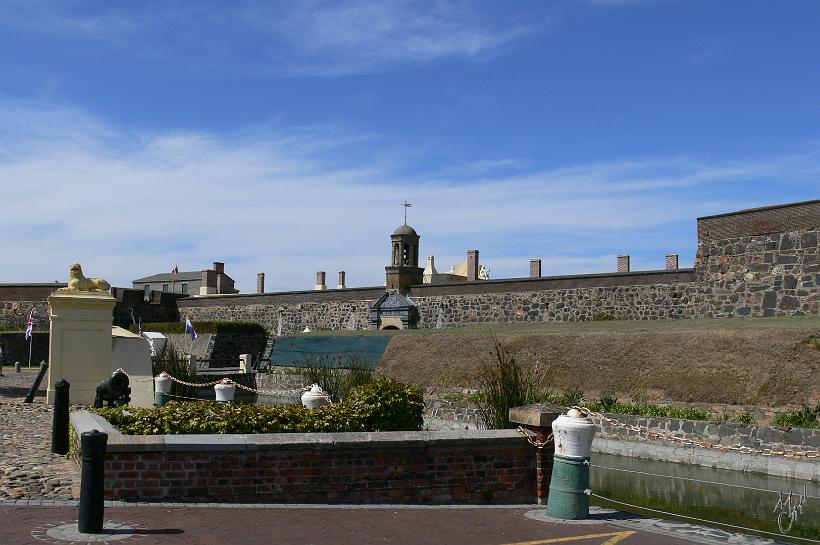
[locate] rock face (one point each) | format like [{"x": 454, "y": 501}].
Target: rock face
[{"x": 764, "y": 275}]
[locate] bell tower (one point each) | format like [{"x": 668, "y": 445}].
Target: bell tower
[{"x": 404, "y": 270}]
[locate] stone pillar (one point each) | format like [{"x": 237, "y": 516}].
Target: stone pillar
[
  {"x": 472, "y": 265},
  {"x": 341, "y": 284},
  {"x": 80, "y": 342},
  {"x": 535, "y": 268},
  {"x": 623, "y": 263},
  {"x": 671, "y": 262},
  {"x": 260, "y": 282},
  {"x": 320, "y": 281}
]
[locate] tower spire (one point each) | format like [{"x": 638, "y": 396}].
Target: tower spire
[{"x": 406, "y": 206}]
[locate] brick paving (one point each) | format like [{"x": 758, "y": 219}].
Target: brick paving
[
  {"x": 338, "y": 526},
  {"x": 28, "y": 469}
]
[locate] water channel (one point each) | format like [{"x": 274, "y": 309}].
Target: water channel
[{"x": 740, "y": 499}]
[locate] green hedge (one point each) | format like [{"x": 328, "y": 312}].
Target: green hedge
[
  {"x": 384, "y": 405},
  {"x": 204, "y": 327}
]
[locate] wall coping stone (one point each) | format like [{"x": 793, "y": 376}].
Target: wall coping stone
[
  {"x": 538, "y": 415},
  {"x": 117, "y": 442}
]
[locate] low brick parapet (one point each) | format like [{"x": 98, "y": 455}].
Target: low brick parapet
[{"x": 475, "y": 467}]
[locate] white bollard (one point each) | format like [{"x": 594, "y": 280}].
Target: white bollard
[
  {"x": 315, "y": 397},
  {"x": 162, "y": 383},
  {"x": 225, "y": 390},
  {"x": 572, "y": 434},
  {"x": 162, "y": 388}
]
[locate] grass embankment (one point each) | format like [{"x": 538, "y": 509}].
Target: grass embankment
[{"x": 761, "y": 362}]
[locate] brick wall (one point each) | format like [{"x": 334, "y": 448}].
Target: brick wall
[
  {"x": 759, "y": 221},
  {"x": 496, "y": 466}
]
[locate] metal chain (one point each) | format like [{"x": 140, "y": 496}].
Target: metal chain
[
  {"x": 787, "y": 453},
  {"x": 135, "y": 379},
  {"x": 225, "y": 380},
  {"x": 537, "y": 444}
]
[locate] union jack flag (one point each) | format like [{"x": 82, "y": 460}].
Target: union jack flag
[{"x": 30, "y": 325}]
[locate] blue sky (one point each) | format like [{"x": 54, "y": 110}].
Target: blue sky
[{"x": 282, "y": 137}]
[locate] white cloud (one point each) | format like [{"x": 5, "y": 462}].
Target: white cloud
[
  {"x": 128, "y": 205},
  {"x": 315, "y": 38}
]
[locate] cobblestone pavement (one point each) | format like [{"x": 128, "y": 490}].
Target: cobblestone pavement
[{"x": 28, "y": 469}]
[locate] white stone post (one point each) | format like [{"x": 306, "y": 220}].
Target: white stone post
[{"x": 80, "y": 342}]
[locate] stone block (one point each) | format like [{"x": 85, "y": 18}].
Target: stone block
[
  {"x": 770, "y": 300},
  {"x": 789, "y": 302}
]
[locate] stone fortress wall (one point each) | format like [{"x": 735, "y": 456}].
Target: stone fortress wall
[
  {"x": 757, "y": 262},
  {"x": 742, "y": 269}
]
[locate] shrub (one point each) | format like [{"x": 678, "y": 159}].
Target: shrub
[
  {"x": 607, "y": 401},
  {"x": 572, "y": 396},
  {"x": 647, "y": 409},
  {"x": 339, "y": 381},
  {"x": 203, "y": 327},
  {"x": 504, "y": 384},
  {"x": 389, "y": 405},
  {"x": 746, "y": 417},
  {"x": 177, "y": 365},
  {"x": 805, "y": 417},
  {"x": 383, "y": 405}
]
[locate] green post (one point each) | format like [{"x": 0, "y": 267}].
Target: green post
[
  {"x": 570, "y": 480},
  {"x": 569, "y": 487}
]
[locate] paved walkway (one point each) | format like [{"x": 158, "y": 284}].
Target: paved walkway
[
  {"x": 334, "y": 525},
  {"x": 28, "y": 469}
]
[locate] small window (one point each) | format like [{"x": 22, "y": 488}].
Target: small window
[
  {"x": 165, "y": 287},
  {"x": 185, "y": 288},
  {"x": 147, "y": 290}
]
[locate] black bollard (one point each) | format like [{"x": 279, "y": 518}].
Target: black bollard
[
  {"x": 37, "y": 381},
  {"x": 59, "y": 425},
  {"x": 92, "y": 482},
  {"x": 17, "y": 366}
]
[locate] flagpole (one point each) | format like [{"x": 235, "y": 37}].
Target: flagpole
[{"x": 30, "y": 342}]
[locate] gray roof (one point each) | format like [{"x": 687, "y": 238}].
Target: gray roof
[
  {"x": 405, "y": 230},
  {"x": 170, "y": 277}
]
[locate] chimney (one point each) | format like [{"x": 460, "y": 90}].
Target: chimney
[
  {"x": 671, "y": 262},
  {"x": 260, "y": 282},
  {"x": 320, "y": 281},
  {"x": 535, "y": 268},
  {"x": 219, "y": 267},
  {"x": 623, "y": 263},
  {"x": 341, "y": 285},
  {"x": 472, "y": 265}
]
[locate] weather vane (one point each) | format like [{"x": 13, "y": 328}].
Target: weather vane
[{"x": 406, "y": 206}]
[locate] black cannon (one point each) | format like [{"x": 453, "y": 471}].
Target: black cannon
[{"x": 114, "y": 390}]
